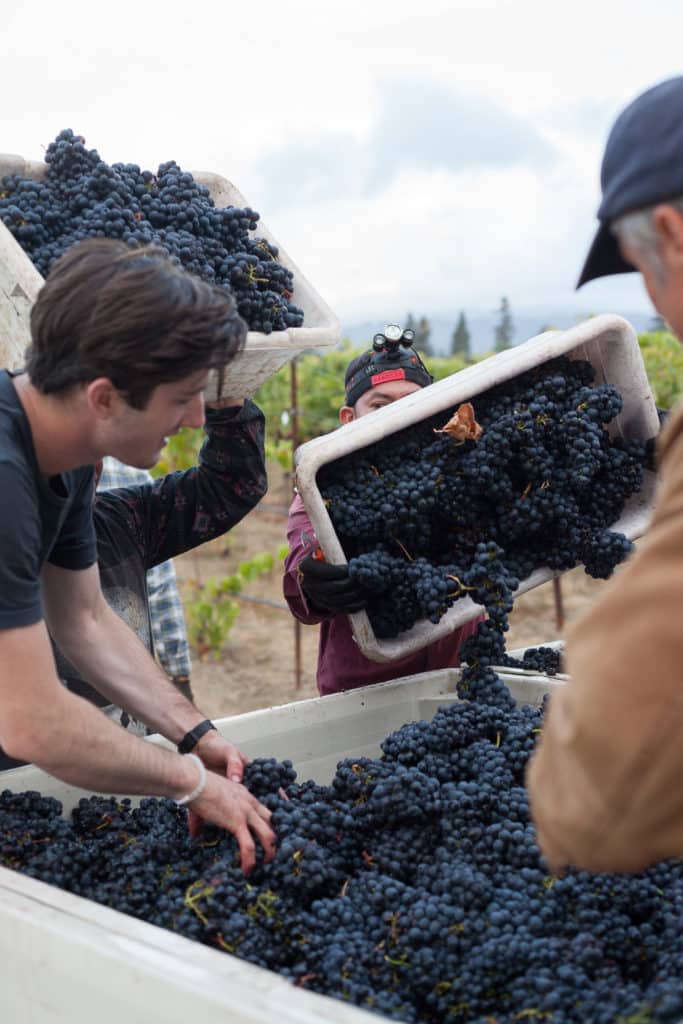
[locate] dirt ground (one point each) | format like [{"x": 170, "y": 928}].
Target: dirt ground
[{"x": 257, "y": 667}]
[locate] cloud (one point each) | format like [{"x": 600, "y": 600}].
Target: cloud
[
  {"x": 440, "y": 241},
  {"x": 430, "y": 156},
  {"x": 421, "y": 126},
  {"x": 424, "y": 125},
  {"x": 313, "y": 172}
]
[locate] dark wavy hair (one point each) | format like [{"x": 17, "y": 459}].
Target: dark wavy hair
[{"x": 131, "y": 315}]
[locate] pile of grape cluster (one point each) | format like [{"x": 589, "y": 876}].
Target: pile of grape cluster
[
  {"x": 425, "y": 519},
  {"x": 81, "y": 196},
  {"x": 411, "y": 885}
]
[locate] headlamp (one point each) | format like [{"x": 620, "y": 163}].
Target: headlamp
[{"x": 393, "y": 337}]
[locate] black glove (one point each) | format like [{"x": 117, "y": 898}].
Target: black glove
[{"x": 329, "y": 587}]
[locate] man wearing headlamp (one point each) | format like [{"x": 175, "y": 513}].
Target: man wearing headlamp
[{"x": 324, "y": 594}]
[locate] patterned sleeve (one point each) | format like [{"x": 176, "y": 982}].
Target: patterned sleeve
[
  {"x": 181, "y": 510},
  {"x": 168, "y": 621}
]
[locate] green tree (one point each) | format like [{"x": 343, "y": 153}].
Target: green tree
[
  {"x": 460, "y": 339},
  {"x": 422, "y": 330},
  {"x": 663, "y": 358},
  {"x": 504, "y": 329},
  {"x": 423, "y": 334}
]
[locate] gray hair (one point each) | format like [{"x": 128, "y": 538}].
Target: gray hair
[{"x": 637, "y": 230}]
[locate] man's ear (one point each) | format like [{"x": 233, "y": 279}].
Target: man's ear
[
  {"x": 103, "y": 398},
  {"x": 346, "y": 414},
  {"x": 668, "y": 222}
]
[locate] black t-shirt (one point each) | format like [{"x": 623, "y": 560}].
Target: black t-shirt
[{"x": 41, "y": 519}]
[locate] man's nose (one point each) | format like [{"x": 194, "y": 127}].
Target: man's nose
[{"x": 194, "y": 414}]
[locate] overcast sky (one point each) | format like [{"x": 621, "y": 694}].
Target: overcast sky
[{"x": 426, "y": 156}]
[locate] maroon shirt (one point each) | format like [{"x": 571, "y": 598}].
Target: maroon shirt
[{"x": 341, "y": 666}]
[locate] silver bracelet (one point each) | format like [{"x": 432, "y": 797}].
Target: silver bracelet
[{"x": 199, "y": 788}]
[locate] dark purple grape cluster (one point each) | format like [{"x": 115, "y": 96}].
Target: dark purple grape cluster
[
  {"x": 425, "y": 519},
  {"x": 411, "y": 886},
  {"x": 81, "y": 196},
  {"x": 547, "y": 660},
  {"x": 268, "y": 775},
  {"x": 542, "y": 482}
]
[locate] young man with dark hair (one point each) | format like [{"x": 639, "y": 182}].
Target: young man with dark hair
[
  {"x": 605, "y": 781},
  {"x": 122, "y": 345},
  {"x": 324, "y": 594}
]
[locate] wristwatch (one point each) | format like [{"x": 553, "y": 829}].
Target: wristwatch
[{"x": 192, "y": 738}]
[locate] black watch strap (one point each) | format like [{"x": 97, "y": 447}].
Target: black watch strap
[{"x": 192, "y": 738}]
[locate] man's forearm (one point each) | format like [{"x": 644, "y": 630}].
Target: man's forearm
[
  {"x": 81, "y": 746},
  {"x": 112, "y": 659},
  {"x": 302, "y": 541},
  {"x": 41, "y": 721},
  {"x": 67, "y": 736}
]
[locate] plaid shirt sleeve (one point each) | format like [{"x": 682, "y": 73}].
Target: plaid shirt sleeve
[
  {"x": 165, "y": 606},
  {"x": 168, "y": 620}
]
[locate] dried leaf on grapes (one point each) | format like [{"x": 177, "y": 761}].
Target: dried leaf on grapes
[{"x": 462, "y": 426}]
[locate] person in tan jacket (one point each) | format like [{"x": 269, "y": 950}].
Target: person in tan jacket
[{"x": 605, "y": 782}]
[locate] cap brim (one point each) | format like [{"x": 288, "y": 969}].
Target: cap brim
[{"x": 604, "y": 257}]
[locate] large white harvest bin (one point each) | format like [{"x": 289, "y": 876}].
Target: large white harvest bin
[
  {"x": 608, "y": 342},
  {"x": 263, "y": 355},
  {"x": 67, "y": 960}
]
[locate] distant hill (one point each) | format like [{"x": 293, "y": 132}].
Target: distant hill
[{"x": 482, "y": 325}]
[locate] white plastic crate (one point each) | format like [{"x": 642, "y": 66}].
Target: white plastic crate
[
  {"x": 66, "y": 958},
  {"x": 608, "y": 342},
  {"x": 263, "y": 355}
]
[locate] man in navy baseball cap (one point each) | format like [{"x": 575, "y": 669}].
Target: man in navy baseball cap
[
  {"x": 642, "y": 167},
  {"x": 605, "y": 779}
]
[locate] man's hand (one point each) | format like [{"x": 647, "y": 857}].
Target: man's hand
[
  {"x": 329, "y": 587},
  {"x": 221, "y": 756},
  {"x": 231, "y": 806}
]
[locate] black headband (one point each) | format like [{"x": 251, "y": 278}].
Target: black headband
[{"x": 374, "y": 368}]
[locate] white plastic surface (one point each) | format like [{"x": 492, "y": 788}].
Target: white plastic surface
[
  {"x": 608, "y": 342},
  {"x": 263, "y": 355},
  {"x": 67, "y": 960},
  {"x": 20, "y": 283}
]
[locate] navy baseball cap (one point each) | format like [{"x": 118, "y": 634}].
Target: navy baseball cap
[{"x": 642, "y": 165}]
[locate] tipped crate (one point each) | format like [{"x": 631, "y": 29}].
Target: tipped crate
[
  {"x": 608, "y": 342},
  {"x": 263, "y": 355},
  {"x": 63, "y": 955}
]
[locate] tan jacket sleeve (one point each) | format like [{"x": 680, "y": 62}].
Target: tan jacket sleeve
[{"x": 606, "y": 782}]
